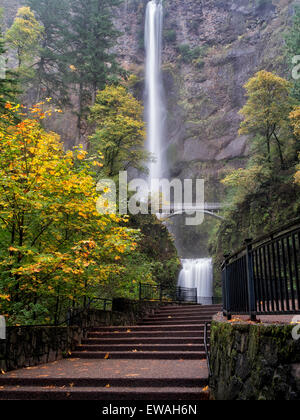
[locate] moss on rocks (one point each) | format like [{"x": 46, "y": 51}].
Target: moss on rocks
[{"x": 254, "y": 362}]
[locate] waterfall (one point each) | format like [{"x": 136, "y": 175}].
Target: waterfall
[
  {"x": 154, "y": 86},
  {"x": 198, "y": 274}
]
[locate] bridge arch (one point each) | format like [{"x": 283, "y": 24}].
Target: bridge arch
[{"x": 208, "y": 212}]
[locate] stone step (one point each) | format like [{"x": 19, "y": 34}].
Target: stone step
[
  {"x": 142, "y": 334},
  {"x": 187, "y": 314},
  {"x": 191, "y": 308},
  {"x": 145, "y": 340},
  {"x": 141, "y": 347},
  {"x": 152, "y": 382},
  {"x": 107, "y": 394},
  {"x": 154, "y": 322},
  {"x": 154, "y": 355},
  {"x": 146, "y": 328},
  {"x": 189, "y": 318}
]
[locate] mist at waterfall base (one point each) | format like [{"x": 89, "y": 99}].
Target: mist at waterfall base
[{"x": 198, "y": 274}]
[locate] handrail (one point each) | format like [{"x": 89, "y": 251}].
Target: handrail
[
  {"x": 263, "y": 277},
  {"x": 78, "y": 310},
  {"x": 206, "y": 349},
  {"x": 279, "y": 231},
  {"x": 90, "y": 301}
]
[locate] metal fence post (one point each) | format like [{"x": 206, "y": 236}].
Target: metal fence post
[
  {"x": 140, "y": 291},
  {"x": 226, "y": 288},
  {"x": 161, "y": 293},
  {"x": 250, "y": 281}
]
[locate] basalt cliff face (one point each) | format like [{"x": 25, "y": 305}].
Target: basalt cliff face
[{"x": 211, "y": 48}]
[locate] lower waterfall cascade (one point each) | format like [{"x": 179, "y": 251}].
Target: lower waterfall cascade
[{"x": 198, "y": 273}]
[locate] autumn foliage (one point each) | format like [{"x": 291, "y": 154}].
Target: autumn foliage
[
  {"x": 55, "y": 248},
  {"x": 295, "y": 121}
]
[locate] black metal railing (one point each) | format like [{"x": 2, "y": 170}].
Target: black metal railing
[
  {"x": 152, "y": 292},
  {"x": 206, "y": 346},
  {"x": 263, "y": 278},
  {"x": 74, "y": 314}
]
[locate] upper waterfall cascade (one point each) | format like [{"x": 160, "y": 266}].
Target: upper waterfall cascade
[
  {"x": 198, "y": 274},
  {"x": 154, "y": 85}
]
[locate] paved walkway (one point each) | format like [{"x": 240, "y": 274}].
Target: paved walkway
[
  {"x": 162, "y": 359},
  {"x": 264, "y": 319}
]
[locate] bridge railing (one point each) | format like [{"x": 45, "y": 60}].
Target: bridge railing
[
  {"x": 263, "y": 278},
  {"x": 177, "y": 207}
]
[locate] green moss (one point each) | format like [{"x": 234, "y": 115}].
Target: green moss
[{"x": 251, "y": 362}]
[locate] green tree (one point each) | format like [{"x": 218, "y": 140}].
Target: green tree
[
  {"x": 263, "y": 195},
  {"x": 120, "y": 130},
  {"x": 91, "y": 36},
  {"x": 8, "y": 80},
  {"x": 76, "y": 57},
  {"x": 266, "y": 113},
  {"x": 52, "y": 68},
  {"x": 23, "y": 37}
]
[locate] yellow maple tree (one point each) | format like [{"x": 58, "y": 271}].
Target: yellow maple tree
[{"x": 55, "y": 247}]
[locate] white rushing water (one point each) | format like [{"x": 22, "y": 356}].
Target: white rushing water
[
  {"x": 198, "y": 274},
  {"x": 154, "y": 86}
]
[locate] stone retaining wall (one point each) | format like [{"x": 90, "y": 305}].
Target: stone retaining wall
[
  {"x": 254, "y": 362},
  {"x": 33, "y": 345}
]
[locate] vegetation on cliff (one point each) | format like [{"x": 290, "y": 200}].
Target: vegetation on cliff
[{"x": 266, "y": 193}]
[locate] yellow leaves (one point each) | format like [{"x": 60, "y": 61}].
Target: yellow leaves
[
  {"x": 81, "y": 155},
  {"x": 98, "y": 164},
  {"x": 13, "y": 249},
  {"x": 72, "y": 68},
  {"x": 84, "y": 215},
  {"x": 106, "y": 356},
  {"x": 269, "y": 103},
  {"x": 73, "y": 244},
  {"x": 295, "y": 120},
  {"x": 297, "y": 176}
]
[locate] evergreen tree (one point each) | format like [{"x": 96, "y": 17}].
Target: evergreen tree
[
  {"x": 91, "y": 36},
  {"x": 76, "y": 57},
  {"x": 51, "y": 69}
]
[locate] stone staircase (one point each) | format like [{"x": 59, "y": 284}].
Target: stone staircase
[{"x": 161, "y": 358}]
